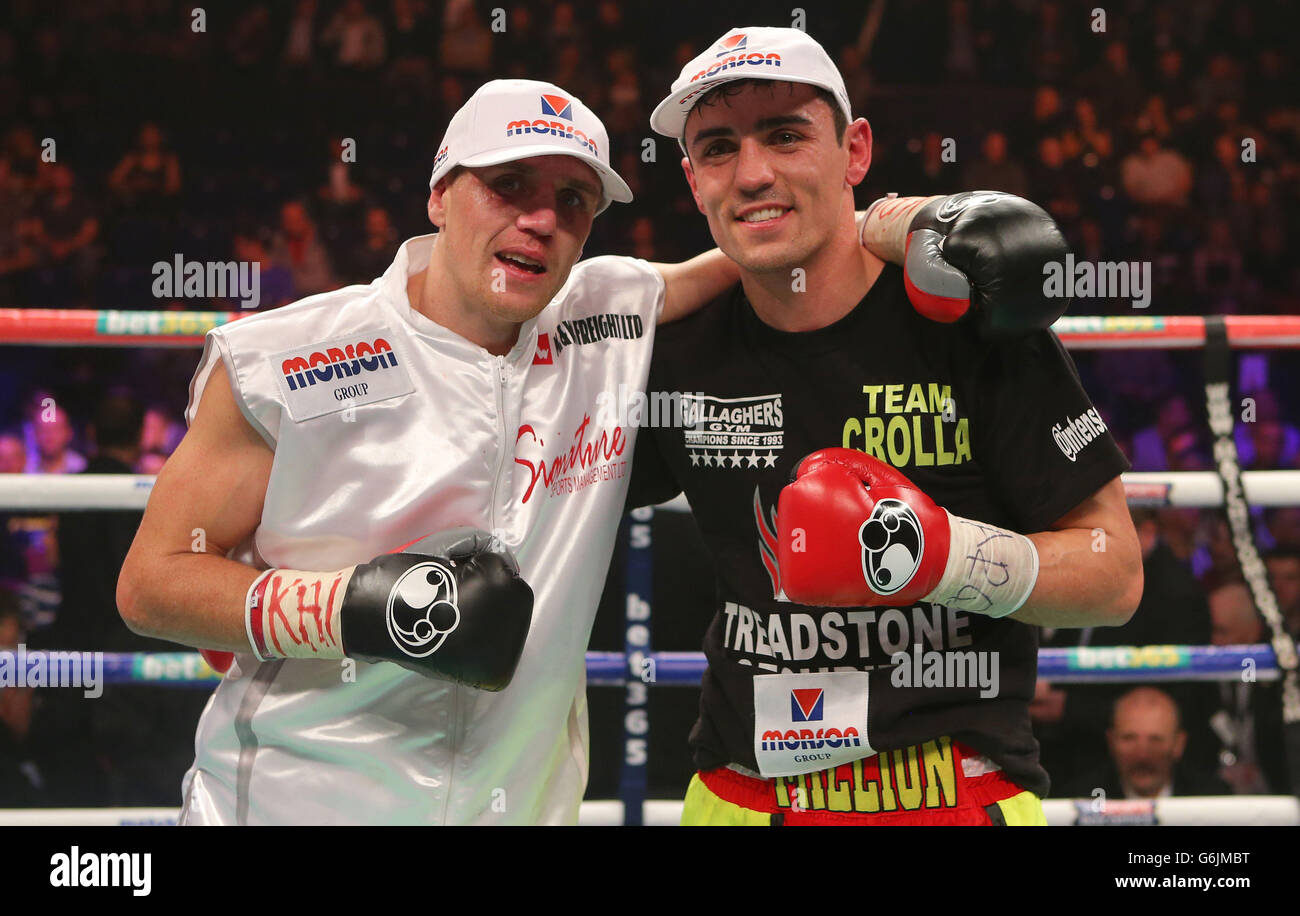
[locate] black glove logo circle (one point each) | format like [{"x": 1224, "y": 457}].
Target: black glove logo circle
[
  {"x": 958, "y": 204},
  {"x": 422, "y": 610},
  {"x": 892, "y": 544}
]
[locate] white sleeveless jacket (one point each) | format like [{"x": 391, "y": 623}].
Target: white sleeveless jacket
[{"x": 386, "y": 427}]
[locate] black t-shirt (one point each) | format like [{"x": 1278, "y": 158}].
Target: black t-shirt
[{"x": 999, "y": 432}]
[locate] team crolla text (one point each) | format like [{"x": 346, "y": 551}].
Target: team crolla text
[{"x": 102, "y": 869}]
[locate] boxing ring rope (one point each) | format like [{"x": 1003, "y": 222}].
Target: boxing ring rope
[
  {"x": 1175, "y": 489},
  {"x": 51, "y": 493}
]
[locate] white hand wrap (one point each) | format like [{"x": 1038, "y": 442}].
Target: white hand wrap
[
  {"x": 289, "y": 613},
  {"x": 990, "y": 570}
]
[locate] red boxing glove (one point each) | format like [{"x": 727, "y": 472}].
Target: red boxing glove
[
  {"x": 852, "y": 531},
  {"x": 218, "y": 660}
]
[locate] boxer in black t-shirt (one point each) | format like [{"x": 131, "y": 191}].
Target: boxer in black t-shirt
[{"x": 873, "y": 654}]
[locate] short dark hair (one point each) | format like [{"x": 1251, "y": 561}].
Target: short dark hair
[
  {"x": 118, "y": 421},
  {"x": 727, "y": 90}
]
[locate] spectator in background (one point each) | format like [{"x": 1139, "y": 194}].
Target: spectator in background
[
  {"x": 1220, "y": 83},
  {"x": 1146, "y": 743},
  {"x": 92, "y": 545},
  {"x": 414, "y": 33},
  {"x": 1151, "y": 444},
  {"x": 17, "y": 253},
  {"x": 358, "y": 35},
  {"x": 1055, "y": 182},
  {"x": 64, "y": 230},
  {"x": 52, "y": 433},
  {"x": 13, "y": 453},
  {"x": 251, "y": 38},
  {"x": 13, "y": 539},
  {"x": 340, "y": 205},
  {"x": 1248, "y": 718},
  {"x": 857, "y": 78},
  {"x": 135, "y": 742},
  {"x": 924, "y": 170},
  {"x": 300, "y": 45},
  {"x": 160, "y": 433},
  {"x": 371, "y": 258},
  {"x": 1216, "y": 265},
  {"x": 1172, "y": 611},
  {"x": 1283, "y": 564},
  {"x": 1267, "y": 442},
  {"x": 1114, "y": 84},
  {"x": 960, "y": 59},
  {"x": 1051, "y": 55},
  {"x": 1048, "y": 118},
  {"x": 1155, "y": 175},
  {"x": 994, "y": 171},
  {"x": 21, "y": 782},
  {"x": 297, "y": 247},
  {"x": 147, "y": 176},
  {"x": 466, "y": 42},
  {"x": 642, "y": 237},
  {"x": 1170, "y": 81},
  {"x": 275, "y": 281}
]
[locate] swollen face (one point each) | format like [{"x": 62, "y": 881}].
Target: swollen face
[
  {"x": 513, "y": 232},
  {"x": 768, "y": 173}
]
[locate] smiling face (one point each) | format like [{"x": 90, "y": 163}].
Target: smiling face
[
  {"x": 768, "y": 172},
  {"x": 511, "y": 233}
]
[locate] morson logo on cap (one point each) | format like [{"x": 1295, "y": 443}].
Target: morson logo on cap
[
  {"x": 731, "y": 43},
  {"x": 553, "y": 106},
  {"x": 558, "y": 106}
]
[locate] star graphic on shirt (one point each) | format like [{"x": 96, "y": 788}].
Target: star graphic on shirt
[
  {"x": 708, "y": 459},
  {"x": 695, "y": 459},
  {"x": 753, "y": 460},
  {"x": 770, "y": 459},
  {"x": 735, "y": 460}
]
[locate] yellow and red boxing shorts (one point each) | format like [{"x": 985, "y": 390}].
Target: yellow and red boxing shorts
[{"x": 939, "y": 782}]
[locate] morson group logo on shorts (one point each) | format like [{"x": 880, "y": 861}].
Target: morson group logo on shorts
[
  {"x": 333, "y": 364},
  {"x": 807, "y": 704}
]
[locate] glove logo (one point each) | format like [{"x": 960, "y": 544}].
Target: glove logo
[
  {"x": 806, "y": 704},
  {"x": 892, "y": 545},
  {"x": 422, "y": 610},
  {"x": 958, "y": 204}
]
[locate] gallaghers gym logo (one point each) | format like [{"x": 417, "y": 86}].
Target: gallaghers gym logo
[{"x": 746, "y": 432}]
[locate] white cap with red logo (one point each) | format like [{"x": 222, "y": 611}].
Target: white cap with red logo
[
  {"x": 505, "y": 120},
  {"x": 761, "y": 53}
]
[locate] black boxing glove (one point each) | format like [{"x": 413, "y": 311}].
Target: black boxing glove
[
  {"x": 977, "y": 252},
  {"x": 451, "y": 605}
]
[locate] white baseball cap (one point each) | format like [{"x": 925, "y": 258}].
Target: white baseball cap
[
  {"x": 788, "y": 55},
  {"x": 505, "y": 120}
]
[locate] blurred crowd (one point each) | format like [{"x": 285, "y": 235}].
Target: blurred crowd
[{"x": 299, "y": 136}]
